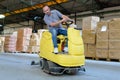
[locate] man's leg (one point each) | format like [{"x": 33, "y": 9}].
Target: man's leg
[
  {"x": 63, "y": 31},
  {"x": 54, "y": 38}
]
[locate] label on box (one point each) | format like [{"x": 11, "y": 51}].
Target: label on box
[{"x": 104, "y": 28}]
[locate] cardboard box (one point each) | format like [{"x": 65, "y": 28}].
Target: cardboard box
[
  {"x": 89, "y": 36},
  {"x": 21, "y": 48},
  {"x": 92, "y": 50},
  {"x": 23, "y": 41},
  {"x": 114, "y": 24},
  {"x": 103, "y": 44},
  {"x": 114, "y": 53},
  {"x": 102, "y": 26},
  {"x": 34, "y": 42},
  {"x": 34, "y": 36},
  {"x": 92, "y": 46},
  {"x": 90, "y": 23},
  {"x": 24, "y": 32},
  {"x": 34, "y": 39},
  {"x": 102, "y": 36},
  {"x": 33, "y": 49},
  {"x": 114, "y": 34},
  {"x": 102, "y": 53},
  {"x": 9, "y": 46},
  {"x": 85, "y": 48},
  {"x": 11, "y": 38},
  {"x": 114, "y": 44}
]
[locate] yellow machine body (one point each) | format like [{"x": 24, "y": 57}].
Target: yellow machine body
[{"x": 75, "y": 56}]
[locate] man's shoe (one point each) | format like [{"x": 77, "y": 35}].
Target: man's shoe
[
  {"x": 55, "y": 50},
  {"x": 65, "y": 49}
]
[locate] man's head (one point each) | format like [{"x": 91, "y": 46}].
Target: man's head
[{"x": 46, "y": 10}]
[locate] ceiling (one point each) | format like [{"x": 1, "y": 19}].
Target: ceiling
[{"x": 22, "y": 10}]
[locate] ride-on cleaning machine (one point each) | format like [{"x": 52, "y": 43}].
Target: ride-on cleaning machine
[{"x": 71, "y": 62}]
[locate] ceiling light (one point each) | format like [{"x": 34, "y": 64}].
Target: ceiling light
[
  {"x": 1, "y": 25},
  {"x": 2, "y": 16}
]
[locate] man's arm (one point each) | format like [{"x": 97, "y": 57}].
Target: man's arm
[
  {"x": 58, "y": 22},
  {"x": 64, "y": 19}
]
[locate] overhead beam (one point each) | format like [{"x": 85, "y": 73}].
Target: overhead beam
[
  {"x": 36, "y": 6},
  {"x": 68, "y": 12},
  {"x": 97, "y": 13}
]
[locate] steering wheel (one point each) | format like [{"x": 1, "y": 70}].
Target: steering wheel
[{"x": 68, "y": 23}]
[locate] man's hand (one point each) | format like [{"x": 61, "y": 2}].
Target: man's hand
[{"x": 64, "y": 20}]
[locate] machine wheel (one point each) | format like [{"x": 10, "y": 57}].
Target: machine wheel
[
  {"x": 55, "y": 69},
  {"x": 72, "y": 71},
  {"x": 44, "y": 65},
  {"x": 51, "y": 67}
]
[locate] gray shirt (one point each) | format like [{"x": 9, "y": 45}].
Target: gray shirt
[{"x": 54, "y": 17}]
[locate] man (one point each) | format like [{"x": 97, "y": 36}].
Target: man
[{"x": 53, "y": 19}]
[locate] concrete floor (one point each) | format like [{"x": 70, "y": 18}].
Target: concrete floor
[{"x": 17, "y": 66}]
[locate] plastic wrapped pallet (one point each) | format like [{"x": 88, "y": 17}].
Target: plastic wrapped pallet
[
  {"x": 23, "y": 39},
  {"x": 34, "y": 45},
  {"x": 10, "y": 43},
  {"x": 23, "y": 32},
  {"x": 40, "y": 31}
]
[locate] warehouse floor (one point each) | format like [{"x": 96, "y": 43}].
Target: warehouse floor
[{"x": 16, "y": 66}]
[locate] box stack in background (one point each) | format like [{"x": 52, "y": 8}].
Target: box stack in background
[
  {"x": 10, "y": 43},
  {"x": 90, "y": 23},
  {"x": 114, "y": 39},
  {"x": 89, "y": 35},
  {"x": 89, "y": 43},
  {"x": 23, "y": 39},
  {"x": 2, "y": 39},
  {"x": 34, "y": 43},
  {"x": 40, "y": 31},
  {"x": 102, "y": 40}
]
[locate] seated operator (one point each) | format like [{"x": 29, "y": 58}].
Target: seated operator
[{"x": 53, "y": 19}]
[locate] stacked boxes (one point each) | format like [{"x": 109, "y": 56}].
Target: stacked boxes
[
  {"x": 114, "y": 39},
  {"x": 102, "y": 40},
  {"x": 23, "y": 39},
  {"x": 89, "y": 42},
  {"x": 89, "y": 35},
  {"x": 34, "y": 43},
  {"x": 40, "y": 31},
  {"x": 10, "y": 43}
]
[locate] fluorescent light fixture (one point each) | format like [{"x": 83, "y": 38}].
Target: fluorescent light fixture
[
  {"x": 1, "y": 25},
  {"x": 2, "y": 16}
]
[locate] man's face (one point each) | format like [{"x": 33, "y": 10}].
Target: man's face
[{"x": 46, "y": 10}]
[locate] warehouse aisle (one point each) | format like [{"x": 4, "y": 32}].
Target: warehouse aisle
[{"x": 17, "y": 67}]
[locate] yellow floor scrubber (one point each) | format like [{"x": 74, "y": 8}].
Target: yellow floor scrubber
[{"x": 71, "y": 62}]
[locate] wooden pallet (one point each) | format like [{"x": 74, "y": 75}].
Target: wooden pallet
[
  {"x": 102, "y": 59},
  {"x": 90, "y": 58},
  {"x": 114, "y": 60}
]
